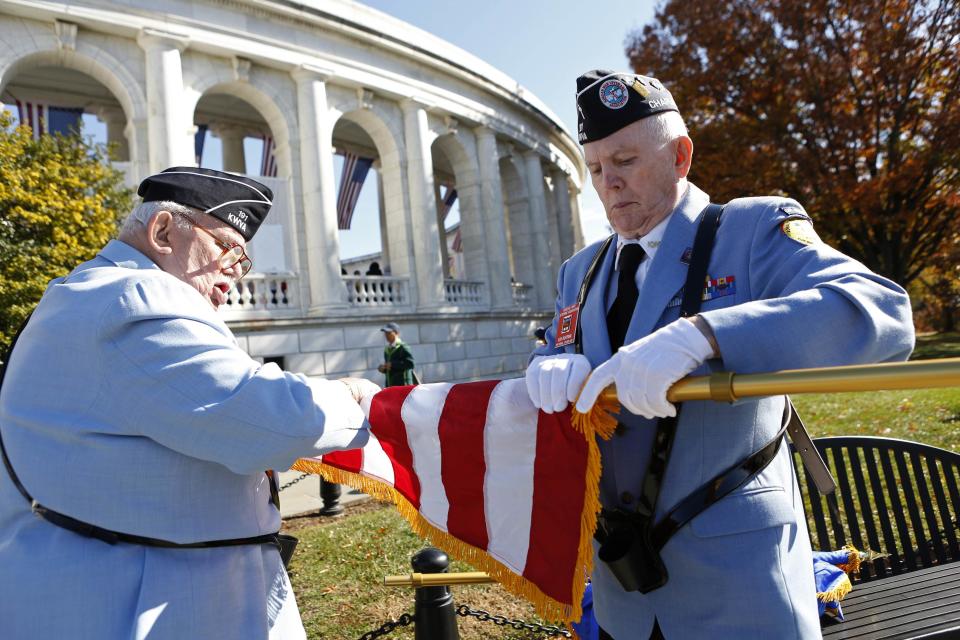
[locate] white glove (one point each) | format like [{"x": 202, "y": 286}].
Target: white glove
[
  {"x": 361, "y": 389},
  {"x": 644, "y": 370},
  {"x": 553, "y": 382}
]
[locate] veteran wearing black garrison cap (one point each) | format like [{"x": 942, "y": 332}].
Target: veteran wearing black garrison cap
[
  {"x": 702, "y": 533},
  {"x": 135, "y": 434}
]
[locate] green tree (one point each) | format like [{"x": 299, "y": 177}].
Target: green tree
[
  {"x": 60, "y": 202},
  {"x": 850, "y": 106}
]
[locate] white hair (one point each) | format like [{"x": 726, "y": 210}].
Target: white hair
[
  {"x": 141, "y": 214},
  {"x": 663, "y": 127}
]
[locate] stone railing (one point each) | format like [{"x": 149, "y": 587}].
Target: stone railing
[
  {"x": 463, "y": 292},
  {"x": 263, "y": 295},
  {"x": 377, "y": 291},
  {"x": 522, "y": 294}
]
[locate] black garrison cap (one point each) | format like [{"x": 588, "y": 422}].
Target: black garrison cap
[
  {"x": 237, "y": 200},
  {"x": 608, "y": 101}
]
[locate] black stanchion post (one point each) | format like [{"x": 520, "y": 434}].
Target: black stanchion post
[
  {"x": 330, "y": 494},
  {"x": 435, "y": 614}
]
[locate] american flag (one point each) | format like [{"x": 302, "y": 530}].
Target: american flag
[
  {"x": 46, "y": 119},
  {"x": 268, "y": 160},
  {"x": 447, "y": 200},
  {"x": 355, "y": 169},
  {"x": 198, "y": 139},
  {"x": 446, "y": 204},
  {"x": 484, "y": 475}
]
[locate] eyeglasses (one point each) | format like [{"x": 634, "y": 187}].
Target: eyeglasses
[{"x": 233, "y": 254}]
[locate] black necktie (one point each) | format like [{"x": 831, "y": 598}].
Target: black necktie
[{"x": 618, "y": 318}]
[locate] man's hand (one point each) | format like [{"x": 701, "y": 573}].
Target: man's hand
[
  {"x": 360, "y": 388},
  {"x": 384, "y": 367},
  {"x": 644, "y": 370},
  {"x": 554, "y": 381}
]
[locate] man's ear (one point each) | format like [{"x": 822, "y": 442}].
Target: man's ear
[
  {"x": 160, "y": 229},
  {"x": 684, "y": 156}
]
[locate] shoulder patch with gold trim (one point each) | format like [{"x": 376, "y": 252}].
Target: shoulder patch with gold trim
[{"x": 801, "y": 230}]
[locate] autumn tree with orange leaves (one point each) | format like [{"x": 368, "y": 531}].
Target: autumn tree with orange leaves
[{"x": 851, "y": 107}]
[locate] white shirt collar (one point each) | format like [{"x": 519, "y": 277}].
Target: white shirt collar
[{"x": 649, "y": 243}]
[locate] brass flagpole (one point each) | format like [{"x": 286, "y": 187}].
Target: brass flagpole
[{"x": 727, "y": 386}]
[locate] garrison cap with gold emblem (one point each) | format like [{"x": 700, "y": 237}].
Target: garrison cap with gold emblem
[
  {"x": 608, "y": 101},
  {"x": 237, "y": 200}
]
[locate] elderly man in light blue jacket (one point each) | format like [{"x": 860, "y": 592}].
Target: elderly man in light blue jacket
[
  {"x": 136, "y": 433},
  {"x": 703, "y": 533}
]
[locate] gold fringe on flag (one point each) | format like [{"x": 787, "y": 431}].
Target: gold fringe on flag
[
  {"x": 599, "y": 420},
  {"x": 853, "y": 562},
  {"x": 546, "y": 607},
  {"x": 836, "y": 594}
]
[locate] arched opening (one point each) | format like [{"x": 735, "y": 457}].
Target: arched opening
[
  {"x": 234, "y": 134},
  {"x": 361, "y": 214},
  {"x": 56, "y": 99},
  {"x": 376, "y": 251}
]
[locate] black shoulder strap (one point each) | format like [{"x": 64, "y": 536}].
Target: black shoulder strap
[
  {"x": 667, "y": 427},
  {"x": 700, "y": 260},
  {"x": 585, "y": 287}
]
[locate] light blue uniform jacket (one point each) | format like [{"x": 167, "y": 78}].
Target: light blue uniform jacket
[
  {"x": 743, "y": 568},
  {"x": 129, "y": 405}
]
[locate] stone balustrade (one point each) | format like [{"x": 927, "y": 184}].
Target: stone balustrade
[
  {"x": 262, "y": 295},
  {"x": 464, "y": 293},
  {"x": 377, "y": 291},
  {"x": 522, "y": 294}
]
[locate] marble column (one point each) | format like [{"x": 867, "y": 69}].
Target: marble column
[
  {"x": 382, "y": 211},
  {"x": 327, "y": 291},
  {"x": 231, "y": 140},
  {"x": 428, "y": 260},
  {"x": 169, "y": 128},
  {"x": 578, "y": 240},
  {"x": 494, "y": 223},
  {"x": 545, "y": 285},
  {"x": 561, "y": 191},
  {"x": 116, "y": 121}
]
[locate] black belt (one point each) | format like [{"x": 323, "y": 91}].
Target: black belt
[{"x": 113, "y": 537}]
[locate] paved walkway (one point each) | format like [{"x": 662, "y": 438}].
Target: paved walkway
[{"x": 305, "y": 495}]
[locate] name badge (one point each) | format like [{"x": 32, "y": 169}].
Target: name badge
[{"x": 567, "y": 325}]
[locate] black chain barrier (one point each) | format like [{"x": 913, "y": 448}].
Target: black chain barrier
[
  {"x": 481, "y": 615},
  {"x": 388, "y": 626},
  {"x": 501, "y": 621},
  {"x": 294, "y": 481}
]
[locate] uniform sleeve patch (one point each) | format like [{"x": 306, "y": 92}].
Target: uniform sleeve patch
[{"x": 801, "y": 230}]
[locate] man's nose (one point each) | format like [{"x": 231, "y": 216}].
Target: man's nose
[{"x": 612, "y": 179}]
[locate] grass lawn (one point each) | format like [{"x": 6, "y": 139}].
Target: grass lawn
[{"x": 340, "y": 564}]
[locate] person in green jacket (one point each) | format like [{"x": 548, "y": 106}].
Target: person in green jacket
[{"x": 397, "y": 360}]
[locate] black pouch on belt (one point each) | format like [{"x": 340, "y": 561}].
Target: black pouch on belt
[
  {"x": 627, "y": 550},
  {"x": 288, "y": 544}
]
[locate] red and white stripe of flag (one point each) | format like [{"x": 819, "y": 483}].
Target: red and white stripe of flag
[
  {"x": 478, "y": 470},
  {"x": 354, "y": 174},
  {"x": 35, "y": 115},
  {"x": 268, "y": 160}
]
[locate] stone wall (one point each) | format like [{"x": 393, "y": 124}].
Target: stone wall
[{"x": 457, "y": 349}]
